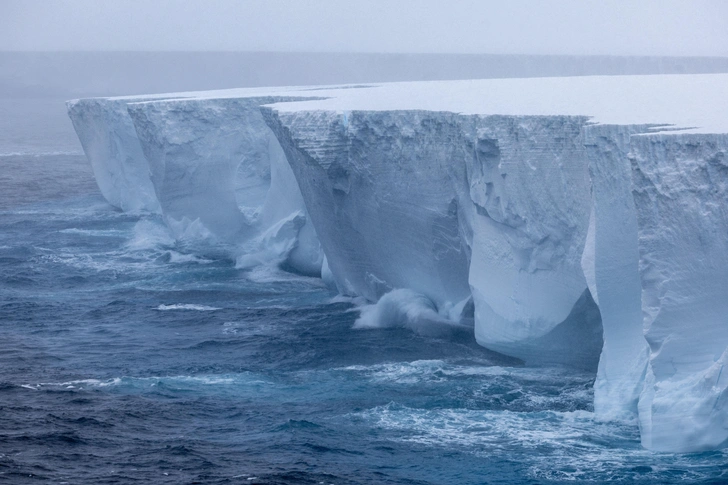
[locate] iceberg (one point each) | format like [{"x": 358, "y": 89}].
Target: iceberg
[
  {"x": 110, "y": 143},
  {"x": 446, "y": 205},
  {"x": 571, "y": 220},
  {"x": 193, "y": 153}
]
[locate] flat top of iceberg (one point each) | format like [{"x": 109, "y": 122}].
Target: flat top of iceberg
[{"x": 697, "y": 103}]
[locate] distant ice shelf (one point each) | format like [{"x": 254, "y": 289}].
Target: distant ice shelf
[{"x": 574, "y": 220}]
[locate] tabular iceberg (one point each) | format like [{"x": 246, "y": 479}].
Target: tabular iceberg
[{"x": 562, "y": 216}]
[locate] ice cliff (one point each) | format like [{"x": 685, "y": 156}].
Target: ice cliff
[
  {"x": 572, "y": 220},
  {"x": 212, "y": 167},
  {"x": 680, "y": 187},
  {"x": 110, "y": 142}
]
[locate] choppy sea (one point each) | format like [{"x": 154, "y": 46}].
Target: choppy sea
[{"x": 126, "y": 358}]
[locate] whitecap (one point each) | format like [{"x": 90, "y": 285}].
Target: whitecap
[
  {"x": 42, "y": 154},
  {"x": 149, "y": 234},
  {"x": 406, "y": 308},
  {"x": 272, "y": 273},
  {"x": 94, "y": 232},
  {"x": 187, "y": 306},
  {"x": 180, "y": 258}
]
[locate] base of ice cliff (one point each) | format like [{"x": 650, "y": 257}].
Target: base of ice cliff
[{"x": 573, "y": 220}]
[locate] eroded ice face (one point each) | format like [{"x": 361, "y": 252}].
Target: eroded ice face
[{"x": 500, "y": 192}]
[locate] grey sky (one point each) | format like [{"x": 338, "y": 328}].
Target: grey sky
[{"x": 616, "y": 27}]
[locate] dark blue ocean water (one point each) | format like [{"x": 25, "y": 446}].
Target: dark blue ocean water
[{"x": 125, "y": 358}]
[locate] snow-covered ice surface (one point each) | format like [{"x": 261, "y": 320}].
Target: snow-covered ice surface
[{"x": 519, "y": 204}]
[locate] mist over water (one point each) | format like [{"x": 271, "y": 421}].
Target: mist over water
[{"x": 124, "y": 357}]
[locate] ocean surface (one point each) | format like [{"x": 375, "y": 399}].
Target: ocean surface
[{"x": 125, "y": 357}]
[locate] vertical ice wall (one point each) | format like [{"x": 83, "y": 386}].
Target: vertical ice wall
[
  {"x": 401, "y": 199},
  {"x": 209, "y": 159},
  {"x": 680, "y": 194},
  {"x": 611, "y": 262},
  {"x": 529, "y": 183},
  {"x": 194, "y": 155},
  {"x": 110, "y": 142},
  {"x": 380, "y": 189},
  {"x": 657, "y": 266}
]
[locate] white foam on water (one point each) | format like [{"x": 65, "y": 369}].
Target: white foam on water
[
  {"x": 354, "y": 300},
  {"x": 187, "y": 306},
  {"x": 179, "y": 382},
  {"x": 554, "y": 445},
  {"x": 272, "y": 273},
  {"x": 252, "y": 328},
  {"x": 42, "y": 154},
  {"x": 409, "y": 309},
  {"x": 94, "y": 232},
  {"x": 148, "y": 234},
  {"x": 400, "y": 372},
  {"x": 97, "y": 262},
  {"x": 395, "y": 369},
  {"x": 180, "y": 258},
  {"x": 89, "y": 211},
  {"x": 492, "y": 380},
  {"x": 78, "y": 384}
]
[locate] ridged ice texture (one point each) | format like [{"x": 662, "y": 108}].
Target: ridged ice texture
[
  {"x": 381, "y": 189},
  {"x": 110, "y": 143},
  {"x": 209, "y": 159},
  {"x": 611, "y": 265},
  {"x": 400, "y": 199},
  {"x": 680, "y": 193},
  {"x": 193, "y": 150},
  {"x": 529, "y": 182}
]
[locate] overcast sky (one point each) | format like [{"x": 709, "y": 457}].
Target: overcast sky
[{"x": 613, "y": 27}]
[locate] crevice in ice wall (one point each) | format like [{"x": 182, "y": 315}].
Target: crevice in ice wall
[
  {"x": 209, "y": 156},
  {"x": 111, "y": 145},
  {"x": 680, "y": 187},
  {"x": 611, "y": 263},
  {"x": 657, "y": 264},
  {"x": 283, "y": 199},
  {"x": 449, "y": 205}
]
